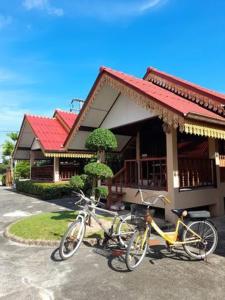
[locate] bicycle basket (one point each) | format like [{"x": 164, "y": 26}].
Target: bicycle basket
[{"x": 138, "y": 213}]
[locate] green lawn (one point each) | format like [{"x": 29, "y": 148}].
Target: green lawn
[{"x": 47, "y": 226}]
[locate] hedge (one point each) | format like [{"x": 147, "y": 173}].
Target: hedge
[{"x": 44, "y": 190}]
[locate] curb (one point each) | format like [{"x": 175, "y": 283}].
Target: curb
[
  {"x": 28, "y": 242},
  {"x": 40, "y": 243}
]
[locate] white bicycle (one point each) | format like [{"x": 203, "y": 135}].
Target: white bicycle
[{"x": 120, "y": 230}]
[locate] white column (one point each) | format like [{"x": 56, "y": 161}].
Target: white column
[
  {"x": 56, "y": 169},
  {"x": 138, "y": 156},
  {"x": 218, "y": 208},
  {"x": 32, "y": 158},
  {"x": 172, "y": 171}
]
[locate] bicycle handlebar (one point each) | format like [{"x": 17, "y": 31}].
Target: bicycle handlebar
[
  {"x": 83, "y": 197},
  {"x": 159, "y": 197}
]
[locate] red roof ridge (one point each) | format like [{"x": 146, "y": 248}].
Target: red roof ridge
[
  {"x": 110, "y": 70},
  {"x": 181, "y": 81},
  {"x": 38, "y": 116},
  {"x": 65, "y": 111}
]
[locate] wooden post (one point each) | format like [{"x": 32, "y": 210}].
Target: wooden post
[
  {"x": 56, "y": 176},
  {"x": 172, "y": 170},
  {"x": 218, "y": 208},
  {"x": 32, "y": 158},
  {"x": 138, "y": 156}
]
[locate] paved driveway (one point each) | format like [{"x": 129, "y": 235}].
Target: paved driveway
[{"x": 32, "y": 273}]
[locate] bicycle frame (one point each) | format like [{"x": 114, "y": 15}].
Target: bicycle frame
[
  {"x": 89, "y": 212},
  {"x": 172, "y": 237}
]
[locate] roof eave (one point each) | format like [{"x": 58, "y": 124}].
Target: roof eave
[{"x": 198, "y": 117}]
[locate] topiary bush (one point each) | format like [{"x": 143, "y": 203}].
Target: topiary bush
[
  {"x": 101, "y": 192},
  {"x": 77, "y": 182},
  {"x": 45, "y": 191},
  {"x": 98, "y": 170},
  {"x": 101, "y": 139}
]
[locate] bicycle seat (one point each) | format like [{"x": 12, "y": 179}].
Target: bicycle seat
[{"x": 179, "y": 212}]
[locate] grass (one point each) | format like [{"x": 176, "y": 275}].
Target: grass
[{"x": 47, "y": 226}]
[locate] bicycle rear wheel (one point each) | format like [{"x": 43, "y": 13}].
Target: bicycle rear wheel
[
  {"x": 209, "y": 239},
  {"x": 125, "y": 231},
  {"x": 136, "y": 249},
  {"x": 72, "y": 239}
]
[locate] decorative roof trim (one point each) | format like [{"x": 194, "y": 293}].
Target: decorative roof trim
[
  {"x": 201, "y": 129},
  {"x": 168, "y": 116},
  {"x": 186, "y": 92},
  {"x": 69, "y": 155}
]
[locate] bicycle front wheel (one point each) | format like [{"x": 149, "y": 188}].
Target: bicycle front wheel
[
  {"x": 207, "y": 232},
  {"x": 125, "y": 231},
  {"x": 136, "y": 249},
  {"x": 72, "y": 239}
]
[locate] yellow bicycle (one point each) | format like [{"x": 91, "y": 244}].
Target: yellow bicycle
[{"x": 198, "y": 236}]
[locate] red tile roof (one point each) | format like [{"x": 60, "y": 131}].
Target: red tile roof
[
  {"x": 189, "y": 85},
  {"x": 161, "y": 95},
  {"x": 50, "y": 131},
  {"x": 68, "y": 117}
]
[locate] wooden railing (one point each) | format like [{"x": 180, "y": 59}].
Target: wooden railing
[
  {"x": 67, "y": 171},
  {"x": 194, "y": 173},
  {"x": 115, "y": 186},
  {"x": 222, "y": 161},
  {"x": 222, "y": 167},
  {"x": 148, "y": 173},
  {"x": 117, "y": 182},
  {"x": 42, "y": 173}
]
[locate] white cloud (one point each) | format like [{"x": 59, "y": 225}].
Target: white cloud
[
  {"x": 44, "y": 5},
  {"x": 149, "y": 5},
  {"x": 5, "y": 21},
  {"x": 115, "y": 9}
]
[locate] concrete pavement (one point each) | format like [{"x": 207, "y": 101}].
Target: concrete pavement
[{"x": 36, "y": 272}]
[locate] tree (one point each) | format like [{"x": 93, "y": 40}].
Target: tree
[
  {"x": 8, "y": 147},
  {"x": 22, "y": 170},
  {"x": 101, "y": 140}
]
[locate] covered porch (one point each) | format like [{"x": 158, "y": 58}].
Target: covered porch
[
  {"x": 156, "y": 151},
  {"x": 55, "y": 167}
]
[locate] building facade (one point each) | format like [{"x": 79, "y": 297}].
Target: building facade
[{"x": 170, "y": 137}]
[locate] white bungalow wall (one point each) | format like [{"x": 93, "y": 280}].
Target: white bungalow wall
[
  {"x": 78, "y": 143},
  {"x": 25, "y": 141},
  {"x": 125, "y": 111},
  {"x": 110, "y": 109}
]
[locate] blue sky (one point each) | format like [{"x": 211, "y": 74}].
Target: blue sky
[{"x": 51, "y": 50}]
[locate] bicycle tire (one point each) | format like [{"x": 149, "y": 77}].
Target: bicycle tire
[
  {"x": 132, "y": 247},
  {"x": 124, "y": 234},
  {"x": 207, "y": 231},
  {"x": 69, "y": 239}
]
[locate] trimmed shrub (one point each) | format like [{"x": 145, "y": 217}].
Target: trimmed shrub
[
  {"x": 77, "y": 182},
  {"x": 101, "y": 192},
  {"x": 101, "y": 139},
  {"x": 44, "y": 190},
  {"x": 98, "y": 170}
]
